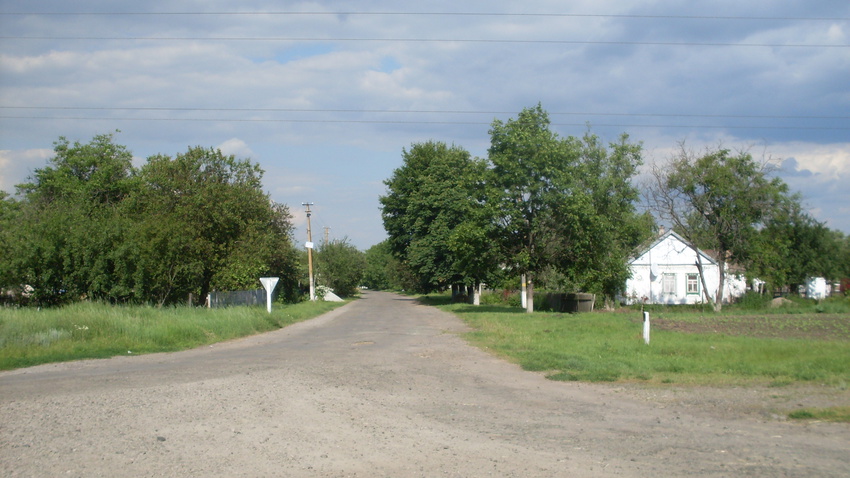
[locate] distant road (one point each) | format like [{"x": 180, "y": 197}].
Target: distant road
[{"x": 380, "y": 387}]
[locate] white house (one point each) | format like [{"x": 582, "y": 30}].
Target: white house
[{"x": 665, "y": 272}]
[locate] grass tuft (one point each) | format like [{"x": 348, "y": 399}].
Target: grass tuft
[{"x": 831, "y": 414}]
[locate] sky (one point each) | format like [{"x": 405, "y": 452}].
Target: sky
[{"x": 326, "y": 95}]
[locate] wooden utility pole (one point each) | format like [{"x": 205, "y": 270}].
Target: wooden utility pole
[{"x": 310, "y": 251}]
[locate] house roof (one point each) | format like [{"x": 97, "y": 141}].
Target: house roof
[{"x": 648, "y": 245}]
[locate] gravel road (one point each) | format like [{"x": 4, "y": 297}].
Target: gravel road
[{"x": 385, "y": 387}]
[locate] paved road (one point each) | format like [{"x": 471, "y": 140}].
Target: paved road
[{"x": 380, "y": 387}]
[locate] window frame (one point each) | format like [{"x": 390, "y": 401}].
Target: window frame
[
  {"x": 692, "y": 278},
  {"x": 668, "y": 279}
]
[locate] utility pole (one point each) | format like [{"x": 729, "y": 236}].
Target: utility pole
[{"x": 310, "y": 251}]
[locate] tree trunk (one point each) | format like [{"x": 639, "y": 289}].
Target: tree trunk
[
  {"x": 529, "y": 306},
  {"x": 721, "y": 267},
  {"x": 523, "y": 294},
  {"x": 705, "y": 292},
  {"x": 476, "y": 294}
]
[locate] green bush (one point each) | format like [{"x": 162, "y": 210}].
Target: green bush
[
  {"x": 505, "y": 297},
  {"x": 753, "y": 301}
]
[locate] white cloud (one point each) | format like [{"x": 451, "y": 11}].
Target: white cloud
[
  {"x": 16, "y": 166},
  {"x": 236, "y": 147},
  {"x": 212, "y": 92},
  {"x": 832, "y": 161}
]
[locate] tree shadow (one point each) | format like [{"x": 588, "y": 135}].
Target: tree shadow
[{"x": 489, "y": 309}]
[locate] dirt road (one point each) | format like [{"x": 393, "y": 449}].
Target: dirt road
[{"x": 380, "y": 387}]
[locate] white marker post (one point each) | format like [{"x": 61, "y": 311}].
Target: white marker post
[
  {"x": 646, "y": 327},
  {"x": 269, "y": 284}
]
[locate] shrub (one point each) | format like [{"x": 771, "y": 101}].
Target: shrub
[{"x": 753, "y": 301}]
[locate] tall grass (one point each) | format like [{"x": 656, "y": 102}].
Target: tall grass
[
  {"x": 91, "y": 330},
  {"x": 609, "y": 347}
]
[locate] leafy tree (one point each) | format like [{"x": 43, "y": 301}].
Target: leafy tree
[
  {"x": 717, "y": 201},
  {"x": 264, "y": 249},
  {"x": 606, "y": 175},
  {"x": 9, "y": 217},
  {"x": 384, "y": 271},
  {"x": 92, "y": 174},
  {"x": 379, "y": 267},
  {"x": 90, "y": 226},
  {"x": 70, "y": 221},
  {"x": 340, "y": 266},
  {"x": 793, "y": 246},
  {"x": 539, "y": 203},
  {"x": 433, "y": 193},
  {"x": 544, "y": 213},
  {"x": 206, "y": 223},
  {"x": 844, "y": 258}
]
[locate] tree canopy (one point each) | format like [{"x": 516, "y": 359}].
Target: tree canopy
[
  {"x": 793, "y": 247},
  {"x": 537, "y": 202},
  {"x": 718, "y": 201},
  {"x": 433, "y": 193},
  {"x": 90, "y": 225}
]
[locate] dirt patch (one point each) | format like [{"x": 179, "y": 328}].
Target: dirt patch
[
  {"x": 780, "y": 301},
  {"x": 783, "y": 326}
]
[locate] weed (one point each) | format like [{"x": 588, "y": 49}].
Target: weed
[{"x": 832, "y": 414}]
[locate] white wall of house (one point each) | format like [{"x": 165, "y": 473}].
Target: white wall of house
[{"x": 666, "y": 273}]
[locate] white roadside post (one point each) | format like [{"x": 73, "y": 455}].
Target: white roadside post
[
  {"x": 269, "y": 284},
  {"x": 646, "y": 327}
]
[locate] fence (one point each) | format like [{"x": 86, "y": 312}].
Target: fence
[{"x": 236, "y": 297}]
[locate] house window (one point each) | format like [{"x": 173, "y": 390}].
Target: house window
[
  {"x": 693, "y": 283},
  {"x": 668, "y": 284}
]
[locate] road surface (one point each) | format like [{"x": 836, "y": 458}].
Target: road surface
[{"x": 382, "y": 387}]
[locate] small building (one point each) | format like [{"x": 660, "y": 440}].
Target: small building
[
  {"x": 817, "y": 288},
  {"x": 665, "y": 272}
]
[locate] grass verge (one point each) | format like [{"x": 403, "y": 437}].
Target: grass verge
[
  {"x": 832, "y": 414},
  {"x": 89, "y": 330},
  {"x": 604, "y": 347}
]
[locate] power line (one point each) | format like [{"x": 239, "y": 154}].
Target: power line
[
  {"x": 391, "y": 111},
  {"x": 401, "y": 122},
  {"x": 430, "y": 40},
  {"x": 453, "y": 14}
]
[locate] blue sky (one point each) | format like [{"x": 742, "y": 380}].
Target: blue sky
[{"x": 324, "y": 95}]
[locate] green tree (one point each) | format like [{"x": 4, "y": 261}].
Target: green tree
[
  {"x": 543, "y": 212},
  {"x": 379, "y": 267},
  {"x": 429, "y": 196},
  {"x": 90, "y": 226},
  {"x": 717, "y": 201},
  {"x": 264, "y": 249},
  {"x": 206, "y": 223},
  {"x": 340, "y": 266},
  {"x": 844, "y": 259},
  {"x": 793, "y": 247},
  {"x": 93, "y": 174},
  {"x": 617, "y": 228},
  {"x": 9, "y": 218},
  {"x": 70, "y": 222}
]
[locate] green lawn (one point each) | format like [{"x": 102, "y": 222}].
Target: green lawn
[{"x": 608, "y": 346}]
